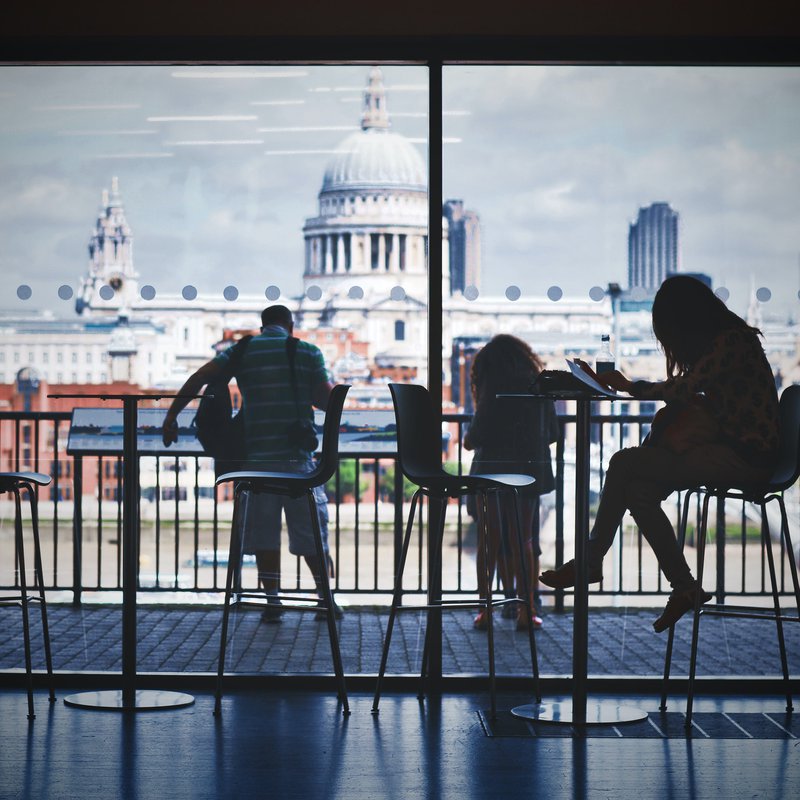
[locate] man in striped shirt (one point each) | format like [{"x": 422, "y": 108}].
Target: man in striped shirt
[{"x": 270, "y": 406}]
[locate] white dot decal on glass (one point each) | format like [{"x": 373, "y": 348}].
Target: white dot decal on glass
[
  {"x": 355, "y": 293},
  {"x": 314, "y": 293},
  {"x": 555, "y": 293},
  {"x": 272, "y": 293},
  {"x": 65, "y": 292},
  {"x": 722, "y": 293},
  {"x": 513, "y": 293},
  {"x": 397, "y": 293},
  {"x": 763, "y": 295},
  {"x": 230, "y": 293},
  {"x": 148, "y": 292},
  {"x": 189, "y": 292},
  {"x": 106, "y": 292},
  {"x": 471, "y": 293},
  {"x": 597, "y": 293},
  {"x": 24, "y": 292}
]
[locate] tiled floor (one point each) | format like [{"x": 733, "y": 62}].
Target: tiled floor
[{"x": 181, "y": 639}]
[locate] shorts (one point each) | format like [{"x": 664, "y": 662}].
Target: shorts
[{"x": 262, "y": 516}]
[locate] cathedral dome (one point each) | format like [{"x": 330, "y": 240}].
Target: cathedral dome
[{"x": 375, "y": 158}]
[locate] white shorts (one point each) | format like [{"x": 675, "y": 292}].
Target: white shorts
[{"x": 262, "y": 516}]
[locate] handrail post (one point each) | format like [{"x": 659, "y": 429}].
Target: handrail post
[
  {"x": 77, "y": 532},
  {"x": 720, "y": 550},
  {"x": 560, "y": 446}
]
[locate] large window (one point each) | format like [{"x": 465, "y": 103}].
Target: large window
[
  {"x": 576, "y": 189},
  {"x": 240, "y": 187}
]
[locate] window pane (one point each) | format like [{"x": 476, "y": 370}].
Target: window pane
[
  {"x": 572, "y": 183},
  {"x": 240, "y": 187}
]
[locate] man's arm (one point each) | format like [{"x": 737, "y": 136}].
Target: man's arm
[
  {"x": 320, "y": 394},
  {"x": 206, "y": 374}
]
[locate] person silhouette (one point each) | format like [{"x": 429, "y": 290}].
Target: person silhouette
[
  {"x": 510, "y": 437},
  {"x": 721, "y": 397}
]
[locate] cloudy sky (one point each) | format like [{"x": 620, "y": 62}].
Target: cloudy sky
[{"x": 219, "y": 167}]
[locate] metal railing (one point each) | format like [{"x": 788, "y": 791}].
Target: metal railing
[{"x": 185, "y": 521}]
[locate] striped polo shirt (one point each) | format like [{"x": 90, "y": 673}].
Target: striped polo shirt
[{"x": 264, "y": 381}]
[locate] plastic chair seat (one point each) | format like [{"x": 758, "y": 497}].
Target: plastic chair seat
[
  {"x": 419, "y": 458},
  {"x": 784, "y": 476},
  {"x": 293, "y": 485}
]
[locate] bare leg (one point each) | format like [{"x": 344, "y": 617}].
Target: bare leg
[
  {"x": 269, "y": 578},
  {"x": 316, "y": 571},
  {"x": 526, "y": 564},
  {"x": 269, "y": 570},
  {"x": 492, "y": 527}
]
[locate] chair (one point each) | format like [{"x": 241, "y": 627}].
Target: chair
[
  {"x": 419, "y": 440},
  {"x": 294, "y": 485},
  {"x": 784, "y": 476},
  {"x": 15, "y": 482}
]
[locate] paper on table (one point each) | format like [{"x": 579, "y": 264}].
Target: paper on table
[{"x": 586, "y": 378}]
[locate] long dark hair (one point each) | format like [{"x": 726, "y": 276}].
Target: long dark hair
[
  {"x": 504, "y": 364},
  {"x": 687, "y": 317}
]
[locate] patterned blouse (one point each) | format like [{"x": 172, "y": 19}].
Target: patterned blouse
[{"x": 737, "y": 380}]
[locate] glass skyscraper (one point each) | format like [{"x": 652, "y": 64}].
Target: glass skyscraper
[{"x": 652, "y": 246}]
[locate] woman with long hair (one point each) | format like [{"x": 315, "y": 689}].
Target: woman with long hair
[
  {"x": 724, "y": 432},
  {"x": 510, "y": 436}
]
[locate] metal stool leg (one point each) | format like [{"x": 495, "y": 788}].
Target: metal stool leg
[
  {"x": 701, "y": 552},
  {"x": 327, "y": 597},
  {"x": 790, "y": 551},
  {"x": 792, "y": 568},
  {"x": 437, "y": 563},
  {"x": 526, "y": 588},
  {"x": 767, "y": 539},
  {"x": 234, "y": 557},
  {"x": 39, "y": 574},
  {"x": 396, "y": 599},
  {"x": 23, "y": 582},
  {"x": 484, "y": 495},
  {"x": 671, "y": 635}
]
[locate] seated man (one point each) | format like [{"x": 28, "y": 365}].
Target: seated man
[{"x": 265, "y": 373}]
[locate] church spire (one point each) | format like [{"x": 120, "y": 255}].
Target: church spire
[
  {"x": 111, "y": 267},
  {"x": 374, "y": 115}
]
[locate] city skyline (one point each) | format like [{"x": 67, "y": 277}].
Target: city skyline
[{"x": 218, "y": 173}]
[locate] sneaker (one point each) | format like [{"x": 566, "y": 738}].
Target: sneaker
[
  {"x": 680, "y": 601},
  {"x": 272, "y": 614},
  {"x": 564, "y": 576},
  {"x": 522, "y": 621},
  {"x": 323, "y": 614},
  {"x": 481, "y": 621}
]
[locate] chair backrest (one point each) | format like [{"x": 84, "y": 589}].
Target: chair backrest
[
  {"x": 788, "y": 468},
  {"x": 329, "y": 457},
  {"x": 419, "y": 432}
]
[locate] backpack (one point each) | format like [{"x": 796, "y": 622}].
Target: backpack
[{"x": 219, "y": 431}]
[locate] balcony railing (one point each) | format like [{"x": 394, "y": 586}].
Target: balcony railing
[{"x": 185, "y": 521}]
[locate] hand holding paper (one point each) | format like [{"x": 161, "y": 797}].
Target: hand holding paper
[{"x": 608, "y": 384}]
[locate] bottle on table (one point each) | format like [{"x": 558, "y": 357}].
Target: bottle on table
[{"x": 604, "y": 360}]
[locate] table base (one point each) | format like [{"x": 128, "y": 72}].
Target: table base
[
  {"x": 605, "y": 712},
  {"x": 145, "y": 700}
]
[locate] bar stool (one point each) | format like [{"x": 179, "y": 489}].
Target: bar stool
[
  {"x": 419, "y": 438},
  {"x": 293, "y": 485},
  {"x": 784, "y": 476},
  {"x": 15, "y": 483}
]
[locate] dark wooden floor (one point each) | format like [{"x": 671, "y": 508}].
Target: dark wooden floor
[{"x": 297, "y": 745}]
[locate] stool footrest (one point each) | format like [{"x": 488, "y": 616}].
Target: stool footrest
[{"x": 746, "y": 612}]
